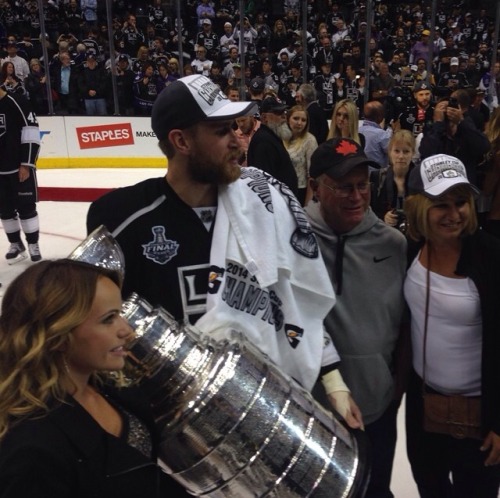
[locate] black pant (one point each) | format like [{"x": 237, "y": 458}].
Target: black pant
[{"x": 434, "y": 457}]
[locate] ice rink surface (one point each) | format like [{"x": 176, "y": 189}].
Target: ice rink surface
[{"x": 62, "y": 226}]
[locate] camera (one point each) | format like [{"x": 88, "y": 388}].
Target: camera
[
  {"x": 401, "y": 223},
  {"x": 453, "y": 102}
]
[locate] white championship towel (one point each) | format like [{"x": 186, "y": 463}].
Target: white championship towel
[{"x": 267, "y": 277}]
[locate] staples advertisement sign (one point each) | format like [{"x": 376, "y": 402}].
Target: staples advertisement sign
[{"x": 108, "y": 135}]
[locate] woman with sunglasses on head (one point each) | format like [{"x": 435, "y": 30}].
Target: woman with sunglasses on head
[
  {"x": 66, "y": 427},
  {"x": 345, "y": 122},
  {"x": 452, "y": 289}
]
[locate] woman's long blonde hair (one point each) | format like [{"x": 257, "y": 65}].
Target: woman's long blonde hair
[
  {"x": 352, "y": 111},
  {"x": 40, "y": 309}
]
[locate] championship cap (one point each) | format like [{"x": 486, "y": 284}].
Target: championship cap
[
  {"x": 190, "y": 100},
  {"x": 421, "y": 85},
  {"x": 207, "y": 21},
  {"x": 437, "y": 174},
  {"x": 257, "y": 84},
  {"x": 454, "y": 61},
  {"x": 337, "y": 157}
]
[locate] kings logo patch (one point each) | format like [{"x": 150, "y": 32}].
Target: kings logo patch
[
  {"x": 160, "y": 250},
  {"x": 294, "y": 334}
]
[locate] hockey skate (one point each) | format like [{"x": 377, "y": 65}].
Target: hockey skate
[
  {"x": 34, "y": 251},
  {"x": 16, "y": 253}
]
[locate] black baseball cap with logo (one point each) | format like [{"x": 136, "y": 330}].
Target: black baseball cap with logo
[{"x": 190, "y": 100}]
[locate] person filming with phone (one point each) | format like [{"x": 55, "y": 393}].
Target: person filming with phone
[{"x": 455, "y": 134}]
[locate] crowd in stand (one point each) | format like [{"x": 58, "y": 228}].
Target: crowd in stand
[{"x": 146, "y": 51}]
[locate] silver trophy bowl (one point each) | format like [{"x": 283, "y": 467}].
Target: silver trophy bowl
[{"x": 231, "y": 423}]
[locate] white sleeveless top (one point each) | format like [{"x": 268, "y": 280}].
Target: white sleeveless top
[{"x": 454, "y": 331}]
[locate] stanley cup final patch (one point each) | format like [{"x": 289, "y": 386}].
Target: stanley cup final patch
[{"x": 160, "y": 250}]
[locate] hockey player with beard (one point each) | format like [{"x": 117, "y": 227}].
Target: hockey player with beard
[{"x": 225, "y": 247}]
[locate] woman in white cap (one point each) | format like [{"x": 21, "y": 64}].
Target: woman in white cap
[{"x": 453, "y": 292}]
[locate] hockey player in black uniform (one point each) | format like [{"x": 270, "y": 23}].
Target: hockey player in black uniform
[
  {"x": 225, "y": 247},
  {"x": 19, "y": 146}
]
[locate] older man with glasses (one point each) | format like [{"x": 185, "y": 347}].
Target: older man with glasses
[{"x": 366, "y": 261}]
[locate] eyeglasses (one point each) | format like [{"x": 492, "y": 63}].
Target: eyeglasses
[{"x": 343, "y": 191}]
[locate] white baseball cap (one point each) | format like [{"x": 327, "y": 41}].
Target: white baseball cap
[{"x": 437, "y": 174}]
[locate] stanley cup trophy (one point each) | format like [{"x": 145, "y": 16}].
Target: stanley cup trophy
[{"x": 231, "y": 423}]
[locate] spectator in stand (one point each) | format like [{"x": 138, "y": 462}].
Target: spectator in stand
[
  {"x": 478, "y": 104},
  {"x": 382, "y": 84},
  {"x": 422, "y": 74},
  {"x": 326, "y": 89},
  {"x": 92, "y": 85},
  {"x": 89, "y": 11},
  {"x": 232, "y": 93},
  {"x": 201, "y": 65},
  {"x": 226, "y": 43},
  {"x": 216, "y": 76},
  {"x": 125, "y": 82},
  {"x": 464, "y": 102},
  {"x": 452, "y": 80},
  {"x": 145, "y": 90},
  {"x": 454, "y": 134},
  {"x": 234, "y": 58},
  {"x": 21, "y": 65},
  {"x": 37, "y": 88},
  {"x": 279, "y": 37},
  {"x": 142, "y": 57},
  {"x": 247, "y": 126},
  {"x": 300, "y": 148},
  {"x": 204, "y": 11},
  {"x": 73, "y": 16},
  {"x": 209, "y": 39},
  {"x": 376, "y": 137},
  {"x": 351, "y": 86},
  {"x": 64, "y": 81},
  {"x": 9, "y": 79},
  {"x": 227, "y": 11},
  {"x": 318, "y": 123},
  {"x": 133, "y": 37},
  {"x": 345, "y": 122},
  {"x": 421, "y": 49},
  {"x": 256, "y": 89},
  {"x": 249, "y": 34},
  {"x": 173, "y": 67},
  {"x": 163, "y": 78}
]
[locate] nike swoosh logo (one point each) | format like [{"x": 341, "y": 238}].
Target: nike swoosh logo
[{"x": 379, "y": 260}]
